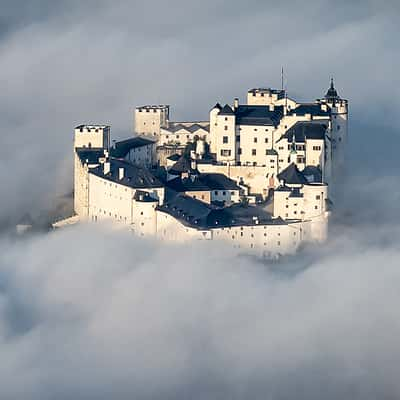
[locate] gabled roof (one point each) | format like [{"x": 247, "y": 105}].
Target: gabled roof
[
  {"x": 258, "y": 115},
  {"x": 182, "y": 165},
  {"x": 196, "y": 214},
  {"x": 193, "y": 183},
  {"x": 123, "y": 147},
  {"x": 292, "y": 176},
  {"x": 227, "y": 110},
  {"x": 217, "y": 106},
  {"x": 134, "y": 177},
  {"x": 303, "y": 130},
  {"x": 217, "y": 181},
  {"x": 314, "y": 109}
]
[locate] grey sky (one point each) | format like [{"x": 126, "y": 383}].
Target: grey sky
[{"x": 69, "y": 62}]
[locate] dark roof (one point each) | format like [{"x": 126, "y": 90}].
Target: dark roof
[
  {"x": 193, "y": 183},
  {"x": 203, "y": 182},
  {"x": 123, "y": 147},
  {"x": 134, "y": 176},
  {"x": 271, "y": 152},
  {"x": 194, "y": 213},
  {"x": 312, "y": 173},
  {"x": 292, "y": 176},
  {"x": 303, "y": 130},
  {"x": 314, "y": 109},
  {"x": 217, "y": 106},
  {"x": 217, "y": 181},
  {"x": 332, "y": 93},
  {"x": 90, "y": 155},
  {"x": 174, "y": 157},
  {"x": 258, "y": 115},
  {"x": 182, "y": 165},
  {"x": 227, "y": 110},
  {"x": 145, "y": 197}
]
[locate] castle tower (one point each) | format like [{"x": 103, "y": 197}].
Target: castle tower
[
  {"x": 90, "y": 143},
  {"x": 339, "y": 128},
  {"x": 150, "y": 119}
]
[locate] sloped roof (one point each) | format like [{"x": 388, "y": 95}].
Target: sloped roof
[
  {"x": 303, "y": 130},
  {"x": 312, "y": 173},
  {"x": 182, "y": 165},
  {"x": 217, "y": 181},
  {"x": 258, "y": 115},
  {"x": 226, "y": 110},
  {"x": 134, "y": 176},
  {"x": 194, "y": 213},
  {"x": 90, "y": 155},
  {"x": 123, "y": 147},
  {"x": 193, "y": 183},
  {"x": 292, "y": 176},
  {"x": 314, "y": 109}
]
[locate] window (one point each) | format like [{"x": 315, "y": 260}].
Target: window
[
  {"x": 177, "y": 136},
  {"x": 239, "y": 150},
  {"x": 226, "y": 118},
  {"x": 253, "y": 152},
  {"x": 226, "y": 127},
  {"x": 338, "y": 127},
  {"x": 224, "y": 193},
  {"x": 238, "y": 138},
  {"x": 301, "y": 160},
  {"x": 225, "y": 153},
  {"x": 317, "y": 197},
  {"x": 281, "y": 147},
  {"x": 232, "y": 193},
  {"x": 255, "y": 140},
  {"x": 266, "y": 140},
  {"x": 316, "y": 207},
  {"x": 316, "y": 148},
  {"x": 216, "y": 192},
  {"x": 255, "y": 129},
  {"x": 224, "y": 139},
  {"x": 280, "y": 160}
]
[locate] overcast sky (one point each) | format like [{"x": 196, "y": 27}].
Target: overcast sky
[
  {"x": 94, "y": 314},
  {"x": 69, "y": 62}
]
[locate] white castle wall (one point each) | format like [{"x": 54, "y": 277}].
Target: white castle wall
[{"x": 150, "y": 119}]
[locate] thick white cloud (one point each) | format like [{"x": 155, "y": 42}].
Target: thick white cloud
[{"x": 118, "y": 318}]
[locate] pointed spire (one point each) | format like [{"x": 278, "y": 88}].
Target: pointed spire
[{"x": 332, "y": 93}]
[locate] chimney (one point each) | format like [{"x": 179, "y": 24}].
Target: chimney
[
  {"x": 120, "y": 173},
  {"x": 193, "y": 164},
  {"x": 235, "y": 103},
  {"x": 105, "y": 153},
  {"x": 272, "y": 107},
  {"x": 106, "y": 167}
]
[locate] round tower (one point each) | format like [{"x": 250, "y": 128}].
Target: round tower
[{"x": 339, "y": 127}]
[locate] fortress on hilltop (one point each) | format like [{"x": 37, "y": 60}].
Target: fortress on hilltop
[{"x": 254, "y": 176}]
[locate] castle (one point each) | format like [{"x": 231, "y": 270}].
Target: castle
[{"x": 254, "y": 176}]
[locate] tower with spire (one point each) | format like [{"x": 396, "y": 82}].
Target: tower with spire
[{"x": 339, "y": 127}]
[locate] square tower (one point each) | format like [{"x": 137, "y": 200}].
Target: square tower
[
  {"x": 150, "y": 119},
  {"x": 92, "y": 136}
]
